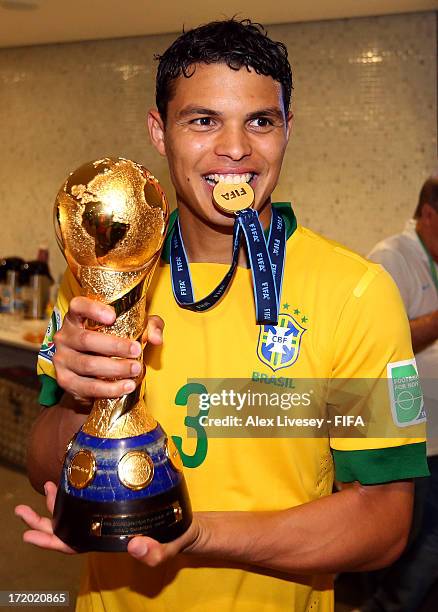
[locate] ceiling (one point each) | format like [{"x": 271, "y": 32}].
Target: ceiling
[{"x": 30, "y": 22}]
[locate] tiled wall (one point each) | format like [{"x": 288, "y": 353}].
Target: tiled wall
[{"x": 364, "y": 137}]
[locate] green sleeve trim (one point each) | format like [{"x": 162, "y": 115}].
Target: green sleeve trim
[
  {"x": 380, "y": 465},
  {"x": 51, "y": 392},
  {"x": 284, "y": 208}
]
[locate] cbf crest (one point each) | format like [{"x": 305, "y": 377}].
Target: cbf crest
[{"x": 279, "y": 346}]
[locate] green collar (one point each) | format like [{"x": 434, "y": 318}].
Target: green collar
[
  {"x": 284, "y": 208},
  {"x": 432, "y": 266}
]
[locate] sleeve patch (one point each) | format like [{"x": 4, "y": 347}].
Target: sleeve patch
[{"x": 406, "y": 397}]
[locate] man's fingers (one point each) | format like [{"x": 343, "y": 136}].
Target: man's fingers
[
  {"x": 95, "y": 366},
  {"x": 33, "y": 519},
  {"x": 50, "y": 490},
  {"x": 149, "y": 551},
  {"x": 83, "y": 387},
  {"x": 41, "y": 529},
  {"x": 153, "y": 553},
  {"x": 81, "y": 308},
  {"x": 154, "y": 330},
  {"x": 47, "y": 541},
  {"x": 88, "y": 341},
  {"x": 74, "y": 336}
]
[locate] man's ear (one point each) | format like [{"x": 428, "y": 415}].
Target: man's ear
[
  {"x": 289, "y": 122},
  {"x": 156, "y": 131}
]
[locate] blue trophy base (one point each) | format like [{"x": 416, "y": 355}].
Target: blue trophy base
[{"x": 114, "y": 489}]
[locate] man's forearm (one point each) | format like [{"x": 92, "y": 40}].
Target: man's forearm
[
  {"x": 48, "y": 439},
  {"x": 359, "y": 528},
  {"x": 424, "y": 330}
]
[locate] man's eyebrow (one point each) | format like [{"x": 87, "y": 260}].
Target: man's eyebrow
[
  {"x": 271, "y": 111},
  {"x": 198, "y": 110}
]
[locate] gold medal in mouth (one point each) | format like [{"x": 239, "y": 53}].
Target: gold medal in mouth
[{"x": 232, "y": 198}]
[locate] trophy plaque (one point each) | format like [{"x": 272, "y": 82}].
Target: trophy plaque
[{"x": 122, "y": 475}]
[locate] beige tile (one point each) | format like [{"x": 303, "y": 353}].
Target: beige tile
[{"x": 364, "y": 137}]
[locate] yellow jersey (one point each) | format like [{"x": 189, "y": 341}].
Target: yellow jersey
[{"x": 347, "y": 322}]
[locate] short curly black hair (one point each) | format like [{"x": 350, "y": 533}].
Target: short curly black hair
[
  {"x": 428, "y": 195},
  {"x": 232, "y": 42}
]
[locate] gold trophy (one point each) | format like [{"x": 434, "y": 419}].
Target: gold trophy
[{"x": 122, "y": 476}]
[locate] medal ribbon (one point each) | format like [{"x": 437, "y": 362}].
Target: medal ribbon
[{"x": 266, "y": 261}]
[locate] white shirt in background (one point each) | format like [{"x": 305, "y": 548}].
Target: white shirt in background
[{"x": 403, "y": 256}]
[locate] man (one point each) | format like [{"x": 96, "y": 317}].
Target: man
[
  {"x": 411, "y": 258},
  {"x": 267, "y": 534}
]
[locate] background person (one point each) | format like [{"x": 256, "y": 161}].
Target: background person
[{"x": 411, "y": 258}]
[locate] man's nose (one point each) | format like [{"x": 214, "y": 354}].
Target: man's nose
[{"x": 233, "y": 142}]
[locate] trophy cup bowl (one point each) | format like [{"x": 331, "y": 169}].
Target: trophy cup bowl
[{"x": 122, "y": 476}]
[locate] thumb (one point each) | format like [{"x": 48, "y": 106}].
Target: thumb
[{"x": 154, "y": 330}]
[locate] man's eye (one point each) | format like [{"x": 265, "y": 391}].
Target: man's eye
[
  {"x": 261, "y": 122},
  {"x": 202, "y": 122}
]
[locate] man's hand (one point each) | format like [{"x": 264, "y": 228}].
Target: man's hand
[
  {"x": 83, "y": 358},
  {"x": 41, "y": 529},
  {"x": 424, "y": 331},
  {"x": 360, "y": 528},
  {"x": 144, "y": 549}
]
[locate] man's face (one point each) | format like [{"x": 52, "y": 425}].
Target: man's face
[
  {"x": 433, "y": 225},
  {"x": 226, "y": 125},
  {"x": 428, "y": 226}
]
